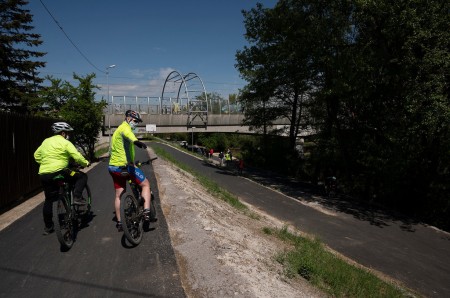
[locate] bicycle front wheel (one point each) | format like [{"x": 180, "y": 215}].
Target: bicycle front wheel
[
  {"x": 63, "y": 223},
  {"x": 132, "y": 219}
]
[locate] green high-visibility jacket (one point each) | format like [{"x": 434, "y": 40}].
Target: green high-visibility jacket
[{"x": 122, "y": 147}]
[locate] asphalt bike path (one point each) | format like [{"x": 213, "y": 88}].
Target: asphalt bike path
[
  {"x": 101, "y": 263},
  {"x": 412, "y": 253}
]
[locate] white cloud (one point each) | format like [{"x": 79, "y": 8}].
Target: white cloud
[
  {"x": 142, "y": 83},
  {"x": 148, "y": 83}
]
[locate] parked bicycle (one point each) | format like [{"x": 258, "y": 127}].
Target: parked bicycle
[
  {"x": 132, "y": 210},
  {"x": 67, "y": 216}
]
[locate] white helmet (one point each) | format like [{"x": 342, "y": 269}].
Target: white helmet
[{"x": 61, "y": 126}]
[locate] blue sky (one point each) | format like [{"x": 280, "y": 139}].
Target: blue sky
[{"x": 145, "y": 39}]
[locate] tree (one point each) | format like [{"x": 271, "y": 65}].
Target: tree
[
  {"x": 85, "y": 114},
  {"x": 403, "y": 112},
  {"x": 214, "y": 100},
  {"x": 52, "y": 98},
  {"x": 19, "y": 79},
  {"x": 374, "y": 76},
  {"x": 277, "y": 67},
  {"x": 77, "y": 106}
]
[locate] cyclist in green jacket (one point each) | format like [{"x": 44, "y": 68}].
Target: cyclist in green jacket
[
  {"x": 53, "y": 157},
  {"x": 122, "y": 158}
]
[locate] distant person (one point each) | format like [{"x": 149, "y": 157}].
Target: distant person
[
  {"x": 241, "y": 166},
  {"x": 331, "y": 186},
  {"x": 227, "y": 159},
  {"x": 231, "y": 154},
  {"x": 122, "y": 158},
  {"x": 221, "y": 156},
  {"x": 211, "y": 152},
  {"x": 53, "y": 157},
  {"x": 176, "y": 108}
]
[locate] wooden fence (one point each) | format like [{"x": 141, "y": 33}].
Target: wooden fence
[{"x": 20, "y": 136}]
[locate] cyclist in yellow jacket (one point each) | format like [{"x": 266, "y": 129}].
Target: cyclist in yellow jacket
[
  {"x": 122, "y": 158},
  {"x": 53, "y": 157}
]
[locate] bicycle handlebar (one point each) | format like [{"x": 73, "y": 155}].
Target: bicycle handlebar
[
  {"x": 76, "y": 166},
  {"x": 139, "y": 164}
]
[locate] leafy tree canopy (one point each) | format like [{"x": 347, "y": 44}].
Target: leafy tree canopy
[
  {"x": 19, "y": 80},
  {"x": 372, "y": 79},
  {"x": 77, "y": 106}
]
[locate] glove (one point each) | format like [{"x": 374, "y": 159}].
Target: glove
[{"x": 140, "y": 144}]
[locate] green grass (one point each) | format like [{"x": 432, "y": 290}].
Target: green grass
[
  {"x": 211, "y": 186},
  {"x": 328, "y": 272},
  {"x": 101, "y": 151}
]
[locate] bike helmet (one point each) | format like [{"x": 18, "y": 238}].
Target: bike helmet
[
  {"x": 134, "y": 115},
  {"x": 61, "y": 126}
]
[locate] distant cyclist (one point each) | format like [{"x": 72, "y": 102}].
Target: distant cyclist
[
  {"x": 53, "y": 157},
  {"x": 331, "y": 186},
  {"x": 122, "y": 158}
]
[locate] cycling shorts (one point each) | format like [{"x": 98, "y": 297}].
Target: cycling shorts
[{"x": 120, "y": 180}]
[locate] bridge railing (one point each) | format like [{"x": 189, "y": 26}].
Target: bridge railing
[{"x": 162, "y": 106}]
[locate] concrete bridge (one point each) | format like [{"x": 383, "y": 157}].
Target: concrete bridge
[
  {"x": 183, "y": 106},
  {"x": 173, "y": 123}
]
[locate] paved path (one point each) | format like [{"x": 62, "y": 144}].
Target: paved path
[
  {"x": 100, "y": 264},
  {"x": 415, "y": 254}
]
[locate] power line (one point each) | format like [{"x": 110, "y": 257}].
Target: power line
[{"x": 79, "y": 51}]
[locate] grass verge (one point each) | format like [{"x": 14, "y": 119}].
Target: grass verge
[
  {"x": 101, "y": 151},
  {"x": 211, "y": 186},
  {"x": 311, "y": 260}
]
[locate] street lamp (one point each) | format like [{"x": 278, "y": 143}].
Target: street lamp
[
  {"x": 193, "y": 139},
  {"x": 109, "y": 116}
]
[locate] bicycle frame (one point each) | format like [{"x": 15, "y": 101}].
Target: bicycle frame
[
  {"x": 65, "y": 193},
  {"x": 64, "y": 215},
  {"x": 67, "y": 215},
  {"x": 132, "y": 210},
  {"x": 136, "y": 189}
]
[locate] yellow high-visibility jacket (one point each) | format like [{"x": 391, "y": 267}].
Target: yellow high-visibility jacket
[{"x": 54, "y": 154}]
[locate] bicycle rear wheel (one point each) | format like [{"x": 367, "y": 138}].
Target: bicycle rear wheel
[
  {"x": 132, "y": 219},
  {"x": 63, "y": 223}
]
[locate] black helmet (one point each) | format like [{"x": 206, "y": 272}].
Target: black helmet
[
  {"x": 134, "y": 115},
  {"x": 61, "y": 126}
]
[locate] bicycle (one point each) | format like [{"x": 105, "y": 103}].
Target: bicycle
[
  {"x": 331, "y": 187},
  {"x": 132, "y": 210},
  {"x": 67, "y": 216}
]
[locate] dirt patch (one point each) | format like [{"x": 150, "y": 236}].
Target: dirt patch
[{"x": 220, "y": 251}]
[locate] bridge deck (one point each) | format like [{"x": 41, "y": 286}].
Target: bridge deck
[{"x": 168, "y": 123}]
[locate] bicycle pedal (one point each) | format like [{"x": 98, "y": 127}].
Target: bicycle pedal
[{"x": 119, "y": 227}]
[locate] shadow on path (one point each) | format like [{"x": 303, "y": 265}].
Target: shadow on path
[{"x": 309, "y": 193}]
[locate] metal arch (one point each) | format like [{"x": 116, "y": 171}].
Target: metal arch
[
  {"x": 191, "y": 76},
  {"x": 196, "y": 109},
  {"x": 174, "y": 77}
]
